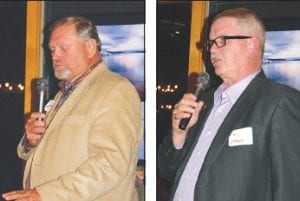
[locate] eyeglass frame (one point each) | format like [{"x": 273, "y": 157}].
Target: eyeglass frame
[{"x": 209, "y": 43}]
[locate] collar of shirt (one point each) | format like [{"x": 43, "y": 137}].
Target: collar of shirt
[
  {"x": 233, "y": 92},
  {"x": 66, "y": 86}
]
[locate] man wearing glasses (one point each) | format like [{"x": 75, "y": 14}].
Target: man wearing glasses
[{"x": 243, "y": 139}]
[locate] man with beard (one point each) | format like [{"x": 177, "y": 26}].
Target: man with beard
[{"x": 86, "y": 146}]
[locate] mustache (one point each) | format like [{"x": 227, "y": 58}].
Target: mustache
[{"x": 57, "y": 64}]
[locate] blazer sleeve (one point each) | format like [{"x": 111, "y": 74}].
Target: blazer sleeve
[
  {"x": 23, "y": 151},
  {"x": 169, "y": 158},
  {"x": 285, "y": 148},
  {"x": 114, "y": 137}
]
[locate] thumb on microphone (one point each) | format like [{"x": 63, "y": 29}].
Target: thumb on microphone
[{"x": 201, "y": 85}]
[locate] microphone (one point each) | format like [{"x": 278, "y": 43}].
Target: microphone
[
  {"x": 42, "y": 91},
  {"x": 202, "y": 83}
]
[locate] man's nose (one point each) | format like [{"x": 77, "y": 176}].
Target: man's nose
[
  {"x": 213, "y": 47},
  {"x": 54, "y": 55}
]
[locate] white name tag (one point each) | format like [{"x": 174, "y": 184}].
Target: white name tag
[
  {"x": 49, "y": 105},
  {"x": 239, "y": 137}
]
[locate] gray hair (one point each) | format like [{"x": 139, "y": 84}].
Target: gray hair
[
  {"x": 84, "y": 27},
  {"x": 250, "y": 21}
]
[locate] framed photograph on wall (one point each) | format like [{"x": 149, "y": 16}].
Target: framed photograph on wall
[{"x": 122, "y": 48}]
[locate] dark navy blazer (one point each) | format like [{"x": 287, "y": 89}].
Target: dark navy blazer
[{"x": 267, "y": 170}]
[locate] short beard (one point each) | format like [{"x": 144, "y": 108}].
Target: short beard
[{"x": 64, "y": 75}]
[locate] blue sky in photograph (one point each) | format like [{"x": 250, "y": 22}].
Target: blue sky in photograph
[
  {"x": 282, "y": 57},
  {"x": 123, "y": 50}
]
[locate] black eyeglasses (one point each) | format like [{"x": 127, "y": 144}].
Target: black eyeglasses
[{"x": 220, "y": 41}]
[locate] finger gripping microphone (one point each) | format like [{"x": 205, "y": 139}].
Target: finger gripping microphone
[
  {"x": 42, "y": 91},
  {"x": 202, "y": 82}
]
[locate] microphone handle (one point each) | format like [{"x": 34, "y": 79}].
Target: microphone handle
[
  {"x": 185, "y": 121},
  {"x": 41, "y": 100}
]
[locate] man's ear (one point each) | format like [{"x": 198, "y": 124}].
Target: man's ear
[
  {"x": 254, "y": 47},
  {"x": 252, "y": 43},
  {"x": 91, "y": 47}
]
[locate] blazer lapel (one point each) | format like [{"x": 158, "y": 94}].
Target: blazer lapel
[
  {"x": 73, "y": 98},
  {"x": 244, "y": 102}
]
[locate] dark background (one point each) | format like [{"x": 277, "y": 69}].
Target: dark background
[
  {"x": 172, "y": 56},
  {"x": 12, "y": 53}
]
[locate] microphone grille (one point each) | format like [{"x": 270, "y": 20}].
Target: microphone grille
[
  {"x": 42, "y": 84},
  {"x": 203, "y": 79}
]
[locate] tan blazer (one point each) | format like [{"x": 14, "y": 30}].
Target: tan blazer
[{"x": 89, "y": 150}]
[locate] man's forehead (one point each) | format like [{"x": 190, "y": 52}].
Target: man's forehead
[
  {"x": 225, "y": 21},
  {"x": 63, "y": 33},
  {"x": 224, "y": 24},
  {"x": 67, "y": 27}
]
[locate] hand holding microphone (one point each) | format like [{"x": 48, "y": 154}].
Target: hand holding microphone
[
  {"x": 34, "y": 128},
  {"x": 201, "y": 85},
  {"x": 35, "y": 124},
  {"x": 186, "y": 111}
]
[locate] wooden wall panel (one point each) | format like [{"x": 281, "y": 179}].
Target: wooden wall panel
[
  {"x": 197, "y": 22},
  {"x": 33, "y": 48}
]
